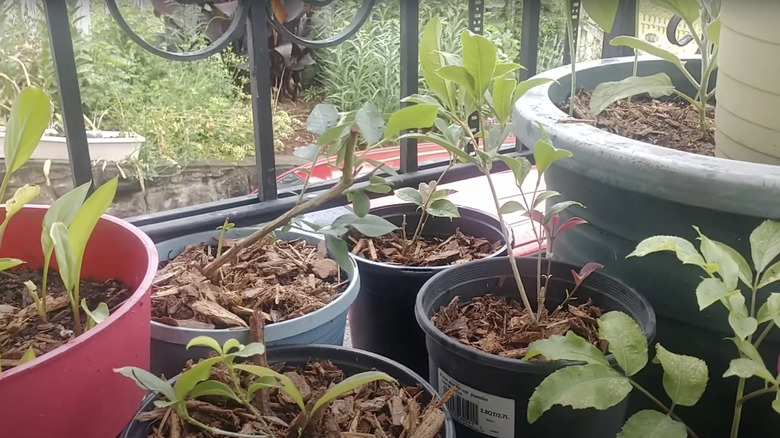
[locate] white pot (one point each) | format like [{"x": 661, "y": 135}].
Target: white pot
[{"x": 106, "y": 145}]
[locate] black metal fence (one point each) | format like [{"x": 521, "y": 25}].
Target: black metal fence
[{"x": 252, "y": 17}]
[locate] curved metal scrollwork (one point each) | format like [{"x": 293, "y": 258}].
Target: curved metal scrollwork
[
  {"x": 348, "y": 32},
  {"x": 233, "y": 31},
  {"x": 671, "y": 32}
]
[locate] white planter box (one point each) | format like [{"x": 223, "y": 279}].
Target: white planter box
[{"x": 105, "y": 145}]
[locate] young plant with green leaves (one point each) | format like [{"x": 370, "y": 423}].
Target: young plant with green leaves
[
  {"x": 475, "y": 82},
  {"x": 199, "y": 381},
  {"x": 726, "y": 274},
  {"x": 224, "y": 228},
  {"x": 597, "y": 383},
  {"x": 706, "y": 36}
]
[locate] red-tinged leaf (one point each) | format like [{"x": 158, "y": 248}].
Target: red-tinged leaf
[
  {"x": 589, "y": 269},
  {"x": 554, "y": 221},
  {"x": 572, "y": 222},
  {"x": 536, "y": 216},
  {"x": 576, "y": 276}
]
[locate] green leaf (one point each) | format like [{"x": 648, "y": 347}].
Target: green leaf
[
  {"x": 205, "y": 341},
  {"x": 250, "y": 350},
  {"x": 520, "y": 167},
  {"x": 626, "y": 341},
  {"x": 335, "y": 133},
  {"x": 66, "y": 260},
  {"x": 685, "y": 377},
  {"x": 22, "y": 196},
  {"x": 580, "y": 386},
  {"x": 231, "y": 344},
  {"x": 28, "y": 120},
  {"x": 370, "y": 123},
  {"x": 607, "y": 93},
  {"x": 361, "y": 205},
  {"x": 652, "y": 424},
  {"x": 567, "y": 347},
  {"x": 443, "y": 208},
  {"x": 479, "y": 59},
  {"x": 770, "y": 310},
  {"x": 148, "y": 381},
  {"x": 743, "y": 268},
  {"x": 503, "y": 89},
  {"x": 747, "y": 348},
  {"x": 511, "y": 207},
  {"x": 527, "y": 84},
  {"x": 323, "y": 117},
  {"x": 771, "y": 275},
  {"x": 262, "y": 383},
  {"x": 378, "y": 188},
  {"x": 459, "y": 75},
  {"x": 713, "y": 31},
  {"x": 710, "y": 291},
  {"x": 213, "y": 388},
  {"x": 409, "y": 194},
  {"x": 338, "y": 249},
  {"x": 8, "y": 263},
  {"x": 603, "y": 12},
  {"x": 726, "y": 266},
  {"x": 765, "y": 244},
  {"x": 443, "y": 142},
  {"x": 687, "y": 9},
  {"x": 636, "y": 43},
  {"x": 96, "y": 316},
  {"x": 557, "y": 208},
  {"x": 411, "y": 117},
  {"x": 776, "y": 402},
  {"x": 27, "y": 356},
  {"x": 286, "y": 384},
  {"x": 545, "y": 154},
  {"x": 349, "y": 384},
  {"x": 431, "y": 61},
  {"x": 684, "y": 249},
  {"x": 545, "y": 195},
  {"x": 87, "y": 217},
  {"x": 64, "y": 209},
  {"x": 504, "y": 68},
  {"x": 197, "y": 373},
  {"x": 369, "y": 225},
  {"x": 747, "y": 368},
  {"x": 739, "y": 319}
]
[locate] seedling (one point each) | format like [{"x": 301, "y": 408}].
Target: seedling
[
  {"x": 597, "y": 384},
  {"x": 660, "y": 84},
  {"x": 196, "y": 382},
  {"x": 477, "y": 82},
  {"x": 724, "y": 269},
  {"x": 225, "y": 227}
]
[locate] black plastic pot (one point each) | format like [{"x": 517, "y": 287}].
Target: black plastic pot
[
  {"x": 351, "y": 361},
  {"x": 382, "y": 317},
  {"x": 634, "y": 190},
  {"x": 494, "y": 391}
]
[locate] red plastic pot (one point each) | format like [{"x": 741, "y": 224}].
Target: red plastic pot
[{"x": 73, "y": 391}]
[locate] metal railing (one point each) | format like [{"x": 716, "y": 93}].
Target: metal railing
[{"x": 253, "y": 17}]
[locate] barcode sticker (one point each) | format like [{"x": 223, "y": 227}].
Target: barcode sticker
[{"x": 486, "y": 413}]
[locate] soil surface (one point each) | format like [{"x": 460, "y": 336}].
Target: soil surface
[
  {"x": 497, "y": 325},
  {"x": 283, "y": 279},
  {"x": 20, "y": 326},
  {"x": 669, "y": 123},
  {"x": 395, "y": 249},
  {"x": 378, "y": 409}
]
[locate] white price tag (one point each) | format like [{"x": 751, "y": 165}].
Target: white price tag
[{"x": 485, "y": 413}]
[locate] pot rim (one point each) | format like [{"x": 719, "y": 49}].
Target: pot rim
[
  {"x": 286, "y": 328},
  {"x": 642, "y": 167},
  {"x": 319, "y": 350},
  {"x": 422, "y": 315},
  {"x": 142, "y": 289},
  {"x": 426, "y": 269}
]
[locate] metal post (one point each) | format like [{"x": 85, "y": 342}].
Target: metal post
[
  {"x": 529, "y": 38},
  {"x": 625, "y": 24},
  {"x": 58, "y": 22},
  {"x": 262, "y": 113},
  {"x": 575, "y": 19},
  {"x": 410, "y": 16},
  {"x": 476, "y": 25}
]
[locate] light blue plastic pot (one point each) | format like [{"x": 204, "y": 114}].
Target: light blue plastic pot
[{"x": 323, "y": 326}]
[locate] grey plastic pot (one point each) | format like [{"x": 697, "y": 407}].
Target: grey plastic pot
[
  {"x": 323, "y": 326},
  {"x": 633, "y": 190}
]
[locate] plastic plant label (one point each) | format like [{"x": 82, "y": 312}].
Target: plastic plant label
[{"x": 486, "y": 413}]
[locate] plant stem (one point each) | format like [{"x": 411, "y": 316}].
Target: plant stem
[
  {"x": 425, "y": 215},
  {"x": 332, "y": 193},
  {"x": 757, "y": 393},
  {"x": 663, "y": 407},
  {"x": 510, "y": 254},
  {"x": 216, "y": 431},
  {"x": 45, "y": 285},
  {"x": 572, "y": 57},
  {"x": 763, "y": 334},
  {"x": 737, "y": 409}
]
